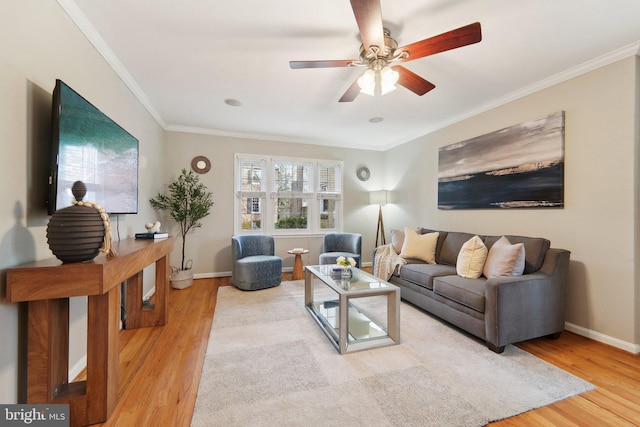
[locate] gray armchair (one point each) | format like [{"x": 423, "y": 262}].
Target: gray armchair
[
  {"x": 347, "y": 245},
  {"x": 254, "y": 264}
]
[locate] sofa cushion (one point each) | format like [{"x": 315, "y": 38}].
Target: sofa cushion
[
  {"x": 451, "y": 246},
  {"x": 471, "y": 258},
  {"x": 468, "y": 292},
  {"x": 423, "y": 274},
  {"x": 419, "y": 246},
  {"x": 504, "y": 259},
  {"x": 535, "y": 249}
]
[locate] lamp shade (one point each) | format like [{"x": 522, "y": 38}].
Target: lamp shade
[
  {"x": 380, "y": 197},
  {"x": 388, "y": 79}
]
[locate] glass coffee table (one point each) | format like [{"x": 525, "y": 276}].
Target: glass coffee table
[{"x": 356, "y": 314}]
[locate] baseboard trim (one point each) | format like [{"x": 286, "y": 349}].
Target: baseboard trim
[
  {"x": 606, "y": 339},
  {"x": 228, "y": 273},
  {"x": 211, "y": 275}
]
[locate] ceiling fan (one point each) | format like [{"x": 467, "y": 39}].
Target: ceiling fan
[{"x": 379, "y": 53}]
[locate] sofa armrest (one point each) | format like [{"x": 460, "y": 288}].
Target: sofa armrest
[{"x": 523, "y": 307}]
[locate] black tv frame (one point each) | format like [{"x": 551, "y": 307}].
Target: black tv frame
[{"x": 109, "y": 167}]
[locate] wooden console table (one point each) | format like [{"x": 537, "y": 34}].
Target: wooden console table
[{"x": 47, "y": 286}]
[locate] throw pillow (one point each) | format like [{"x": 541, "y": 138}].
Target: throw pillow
[
  {"x": 419, "y": 246},
  {"x": 397, "y": 239},
  {"x": 504, "y": 259},
  {"x": 471, "y": 258}
]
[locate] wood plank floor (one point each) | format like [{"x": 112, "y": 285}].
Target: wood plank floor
[{"x": 160, "y": 371}]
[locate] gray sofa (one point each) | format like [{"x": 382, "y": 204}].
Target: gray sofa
[{"x": 499, "y": 310}]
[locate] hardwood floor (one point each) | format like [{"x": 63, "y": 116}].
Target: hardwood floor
[
  {"x": 160, "y": 367},
  {"x": 160, "y": 371}
]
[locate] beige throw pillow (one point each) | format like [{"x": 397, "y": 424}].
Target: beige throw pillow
[
  {"x": 471, "y": 258},
  {"x": 504, "y": 259},
  {"x": 419, "y": 246}
]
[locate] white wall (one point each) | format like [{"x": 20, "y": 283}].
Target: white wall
[
  {"x": 598, "y": 222},
  {"x": 210, "y": 246},
  {"x": 39, "y": 44}
]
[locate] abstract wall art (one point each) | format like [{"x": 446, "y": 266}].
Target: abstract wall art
[{"x": 521, "y": 166}]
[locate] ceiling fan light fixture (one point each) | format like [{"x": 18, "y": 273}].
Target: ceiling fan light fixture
[
  {"x": 387, "y": 89},
  {"x": 367, "y": 82},
  {"x": 388, "y": 79},
  {"x": 378, "y": 82}
]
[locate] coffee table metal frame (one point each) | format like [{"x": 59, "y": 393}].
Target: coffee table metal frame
[{"x": 361, "y": 285}]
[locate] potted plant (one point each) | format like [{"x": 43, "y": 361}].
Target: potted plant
[{"x": 187, "y": 202}]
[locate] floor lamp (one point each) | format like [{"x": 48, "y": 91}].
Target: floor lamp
[{"x": 380, "y": 197}]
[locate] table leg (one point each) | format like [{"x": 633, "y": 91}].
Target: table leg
[
  {"x": 343, "y": 322},
  {"x": 393, "y": 316},
  {"x": 162, "y": 291},
  {"x": 48, "y": 349},
  {"x": 102, "y": 355},
  {"x": 308, "y": 288},
  {"x": 154, "y": 314},
  {"x": 297, "y": 267}
]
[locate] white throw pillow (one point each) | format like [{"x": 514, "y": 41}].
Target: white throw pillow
[
  {"x": 397, "y": 240},
  {"x": 471, "y": 258},
  {"x": 419, "y": 246},
  {"x": 504, "y": 259}
]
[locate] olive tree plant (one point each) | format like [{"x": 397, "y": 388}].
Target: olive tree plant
[{"x": 187, "y": 202}]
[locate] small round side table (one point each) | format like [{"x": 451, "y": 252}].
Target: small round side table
[{"x": 297, "y": 263}]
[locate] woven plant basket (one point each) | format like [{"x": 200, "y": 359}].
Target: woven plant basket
[{"x": 181, "y": 279}]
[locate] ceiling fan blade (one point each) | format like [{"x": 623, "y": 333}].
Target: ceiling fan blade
[
  {"x": 351, "y": 93},
  {"x": 412, "y": 81},
  {"x": 453, "y": 39},
  {"x": 368, "y": 15},
  {"x": 322, "y": 64}
]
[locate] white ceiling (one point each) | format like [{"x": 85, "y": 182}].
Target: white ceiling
[{"x": 184, "y": 58}]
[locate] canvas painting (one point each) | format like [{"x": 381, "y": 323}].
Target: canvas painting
[{"x": 521, "y": 166}]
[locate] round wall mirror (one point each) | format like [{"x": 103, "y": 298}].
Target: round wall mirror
[
  {"x": 200, "y": 164},
  {"x": 363, "y": 173}
]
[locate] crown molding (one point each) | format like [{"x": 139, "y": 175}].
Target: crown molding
[
  {"x": 632, "y": 49},
  {"x": 89, "y": 31},
  {"x": 269, "y": 137},
  {"x": 85, "y": 26}
]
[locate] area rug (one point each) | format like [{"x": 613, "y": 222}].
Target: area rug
[{"x": 269, "y": 364}]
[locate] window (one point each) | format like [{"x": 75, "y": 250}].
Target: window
[
  {"x": 290, "y": 192},
  {"x": 329, "y": 192},
  {"x": 250, "y": 186},
  {"x": 286, "y": 195}
]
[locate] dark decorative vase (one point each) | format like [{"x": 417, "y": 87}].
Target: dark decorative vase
[{"x": 76, "y": 233}]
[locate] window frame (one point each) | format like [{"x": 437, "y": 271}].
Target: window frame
[{"x": 268, "y": 195}]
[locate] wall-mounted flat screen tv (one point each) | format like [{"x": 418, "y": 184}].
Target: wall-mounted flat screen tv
[{"x": 88, "y": 146}]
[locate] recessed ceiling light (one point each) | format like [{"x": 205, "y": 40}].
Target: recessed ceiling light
[
  {"x": 232, "y": 102},
  {"x": 376, "y": 119}
]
